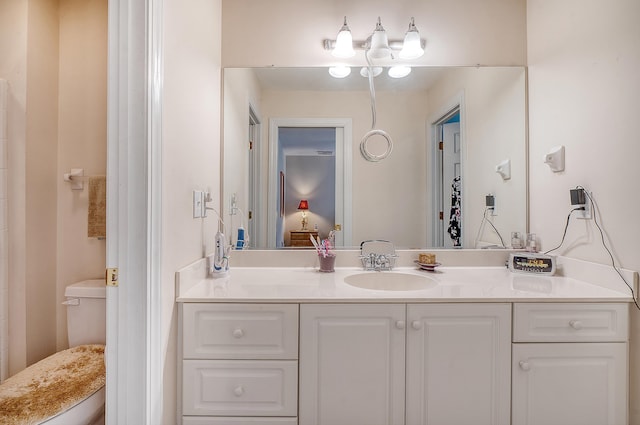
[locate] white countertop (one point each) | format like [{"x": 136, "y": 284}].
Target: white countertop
[{"x": 453, "y": 284}]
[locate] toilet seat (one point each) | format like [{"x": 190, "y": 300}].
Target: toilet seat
[
  {"x": 55, "y": 385},
  {"x": 87, "y": 411}
]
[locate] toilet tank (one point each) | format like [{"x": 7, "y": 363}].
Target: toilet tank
[{"x": 86, "y": 312}]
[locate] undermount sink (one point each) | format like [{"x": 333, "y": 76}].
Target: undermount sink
[{"x": 390, "y": 281}]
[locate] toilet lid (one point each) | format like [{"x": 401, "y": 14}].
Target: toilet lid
[{"x": 52, "y": 385}]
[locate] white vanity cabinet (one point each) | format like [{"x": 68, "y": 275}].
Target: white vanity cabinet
[
  {"x": 352, "y": 364},
  {"x": 386, "y": 363},
  {"x": 570, "y": 364},
  {"x": 239, "y": 364},
  {"x": 458, "y": 364}
]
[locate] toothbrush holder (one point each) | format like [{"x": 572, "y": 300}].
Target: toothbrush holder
[{"x": 327, "y": 263}]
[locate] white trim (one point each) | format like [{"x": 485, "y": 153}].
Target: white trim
[
  {"x": 155, "y": 68},
  {"x": 4, "y": 240},
  {"x": 433, "y": 220},
  {"x": 255, "y": 194},
  {"x": 134, "y": 372},
  {"x": 346, "y": 153}
]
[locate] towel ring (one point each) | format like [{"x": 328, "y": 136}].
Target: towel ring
[{"x": 365, "y": 151}]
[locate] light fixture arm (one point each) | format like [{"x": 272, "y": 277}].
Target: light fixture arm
[{"x": 329, "y": 44}]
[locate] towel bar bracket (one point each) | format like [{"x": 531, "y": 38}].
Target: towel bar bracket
[{"x": 75, "y": 178}]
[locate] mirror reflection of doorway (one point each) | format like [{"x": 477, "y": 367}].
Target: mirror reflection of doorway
[
  {"x": 310, "y": 159},
  {"x": 448, "y": 226},
  {"x": 306, "y": 157}
]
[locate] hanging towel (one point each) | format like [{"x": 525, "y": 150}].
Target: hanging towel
[
  {"x": 455, "y": 219},
  {"x": 97, "y": 211}
]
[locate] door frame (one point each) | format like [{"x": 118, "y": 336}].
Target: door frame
[
  {"x": 343, "y": 169},
  {"x": 134, "y": 354},
  {"x": 254, "y": 195},
  {"x": 434, "y": 177}
]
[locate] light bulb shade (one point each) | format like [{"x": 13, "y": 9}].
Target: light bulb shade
[
  {"x": 379, "y": 48},
  {"x": 344, "y": 43},
  {"x": 304, "y": 205},
  {"x": 399, "y": 71},
  {"x": 412, "y": 46},
  {"x": 375, "y": 70},
  {"x": 339, "y": 71}
]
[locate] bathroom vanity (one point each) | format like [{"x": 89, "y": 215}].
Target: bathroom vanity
[{"x": 478, "y": 345}]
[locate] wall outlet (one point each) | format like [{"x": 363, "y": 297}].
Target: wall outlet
[
  {"x": 586, "y": 213},
  {"x": 490, "y": 203},
  {"x": 580, "y": 198}
]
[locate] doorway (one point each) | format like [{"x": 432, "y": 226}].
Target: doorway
[
  {"x": 448, "y": 224},
  {"x": 317, "y": 146}
]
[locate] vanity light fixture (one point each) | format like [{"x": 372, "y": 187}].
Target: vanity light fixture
[
  {"x": 378, "y": 44},
  {"x": 344, "y": 43},
  {"x": 304, "y": 206},
  {"x": 341, "y": 71},
  {"x": 399, "y": 71}
]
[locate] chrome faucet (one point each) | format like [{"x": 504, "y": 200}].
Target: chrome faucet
[{"x": 377, "y": 255}]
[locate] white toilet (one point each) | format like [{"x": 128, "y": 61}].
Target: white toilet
[{"x": 79, "y": 368}]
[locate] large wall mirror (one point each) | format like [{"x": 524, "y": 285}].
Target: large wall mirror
[{"x": 292, "y": 161}]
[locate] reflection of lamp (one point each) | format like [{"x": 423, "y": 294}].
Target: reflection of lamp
[{"x": 304, "y": 206}]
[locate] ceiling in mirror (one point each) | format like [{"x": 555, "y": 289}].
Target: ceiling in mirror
[
  {"x": 318, "y": 79},
  {"x": 408, "y": 197}
]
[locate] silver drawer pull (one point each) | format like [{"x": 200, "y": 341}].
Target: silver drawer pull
[
  {"x": 238, "y": 391},
  {"x": 575, "y": 324},
  {"x": 238, "y": 333},
  {"x": 524, "y": 365}
]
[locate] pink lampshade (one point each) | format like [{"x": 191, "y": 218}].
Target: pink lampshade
[{"x": 304, "y": 205}]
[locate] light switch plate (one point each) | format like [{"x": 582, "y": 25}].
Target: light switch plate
[{"x": 198, "y": 200}]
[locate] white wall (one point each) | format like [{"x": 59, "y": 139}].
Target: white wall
[
  {"x": 584, "y": 57},
  {"x": 82, "y": 142},
  {"x": 29, "y": 42},
  {"x": 190, "y": 155},
  {"x": 290, "y": 32}
]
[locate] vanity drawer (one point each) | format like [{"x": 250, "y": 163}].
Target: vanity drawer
[
  {"x": 240, "y": 387},
  {"x": 550, "y": 322},
  {"x": 240, "y": 331}
]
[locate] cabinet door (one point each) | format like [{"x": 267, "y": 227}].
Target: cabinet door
[
  {"x": 570, "y": 384},
  {"x": 352, "y": 360},
  {"x": 458, "y": 364}
]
